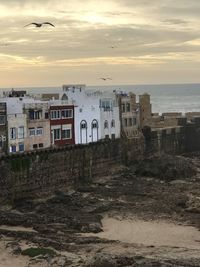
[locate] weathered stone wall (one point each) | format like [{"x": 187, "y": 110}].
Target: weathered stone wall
[
  {"x": 44, "y": 172},
  {"x": 167, "y": 140}
]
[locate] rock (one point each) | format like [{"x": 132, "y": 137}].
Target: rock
[
  {"x": 14, "y": 245},
  {"x": 166, "y": 167},
  {"x": 193, "y": 204}
]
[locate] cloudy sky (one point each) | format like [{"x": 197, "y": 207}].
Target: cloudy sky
[{"x": 154, "y": 42}]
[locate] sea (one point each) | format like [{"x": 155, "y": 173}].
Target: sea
[{"x": 164, "y": 97}]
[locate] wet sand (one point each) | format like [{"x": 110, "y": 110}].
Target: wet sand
[{"x": 150, "y": 233}]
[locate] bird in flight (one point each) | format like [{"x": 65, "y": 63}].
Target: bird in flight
[
  {"x": 104, "y": 79},
  {"x": 38, "y": 25}
]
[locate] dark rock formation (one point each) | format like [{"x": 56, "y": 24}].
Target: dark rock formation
[{"x": 166, "y": 167}]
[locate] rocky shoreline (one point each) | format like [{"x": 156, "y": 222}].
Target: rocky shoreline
[{"x": 165, "y": 188}]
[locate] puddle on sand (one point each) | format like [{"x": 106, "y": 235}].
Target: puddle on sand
[{"x": 156, "y": 233}]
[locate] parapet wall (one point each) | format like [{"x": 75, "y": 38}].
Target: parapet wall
[{"x": 44, "y": 172}]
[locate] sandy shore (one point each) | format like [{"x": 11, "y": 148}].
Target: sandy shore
[
  {"x": 7, "y": 259},
  {"x": 150, "y": 233}
]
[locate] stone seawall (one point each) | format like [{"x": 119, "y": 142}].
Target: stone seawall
[
  {"x": 44, "y": 172},
  {"x": 50, "y": 170}
]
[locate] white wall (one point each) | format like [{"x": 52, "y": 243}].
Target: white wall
[
  {"x": 87, "y": 107},
  {"x": 86, "y": 113},
  {"x": 16, "y": 121},
  {"x": 109, "y": 116}
]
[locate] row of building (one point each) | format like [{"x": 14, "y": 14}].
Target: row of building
[{"x": 71, "y": 116}]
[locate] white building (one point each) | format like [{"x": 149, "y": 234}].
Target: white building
[
  {"x": 96, "y": 114},
  {"x": 16, "y": 132},
  {"x": 16, "y": 123}
]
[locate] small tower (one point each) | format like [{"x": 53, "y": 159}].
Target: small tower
[{"x": 145, "y": 109}]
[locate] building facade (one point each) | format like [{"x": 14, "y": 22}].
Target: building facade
[
  {"x": 38, "y": 124},
  {"x": 3, "y": 128},
  {"x": 109, "y": 118},
  {"x": 145, "y": 109},
  {"x": 96, "y": 114},
  {"x": 62, "y": 124},
  {"x": 129, "y": 114},
  {"x": 17, "y": 129}
]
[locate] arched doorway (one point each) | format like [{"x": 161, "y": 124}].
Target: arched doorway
[
  {"x": 83, "y": 132},
  {"x": 94, "y": 130}
]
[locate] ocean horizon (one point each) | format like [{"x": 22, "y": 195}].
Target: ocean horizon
[{"x": 164, "y": 97}]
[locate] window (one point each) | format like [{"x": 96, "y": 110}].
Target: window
[
  {"x": 67, "y": 131},
  {"x": 125, "y": 122},
  {"x": 35, "y": 114},
  {"x": 94, "y": 124},
  {"x": 66, "y": 134},
  {"x": 83, "y": 125},
  {"x": 41, "y": 145},
  {"x": 31, "y": 131},
  {"x": 113, "y": 136},
  {"x": 21, "y": 147},
  {"x": 113, "y": 123},
  {"x": 39, "y": 131},
  {"x": 13, "y": 148},
  {"x": 130, "y": 121},
  {"x": 67, "y": 113},
  {"x": 55, "y": 114},
  {"x": 13, "y": 133},
  {"x": 128, "y": 107},
  {"x": 107, "y": 105},
  {"x": 123, "y": 107},
  {"x": 31, "y": 114},
  {"x": 2, "y": 119},
  {"x": 105, "y": 124},
  {"x": 56, "y": 134},
  {"x": 21, "y": 132},
  {"x": 134, "y": 121},
  {"x": 46, "y": 115},
  {"x": 35, "y": 146}
]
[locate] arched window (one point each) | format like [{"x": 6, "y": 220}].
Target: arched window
[
  {"x": 83, "y": 124},
  {"x": 94, "y": 130},
  {"x": 94, "y": 124},
  {"x": 106, "y": 125},
  {"x": 83, "y": 132},
  {"x": 113, "y": 124}
]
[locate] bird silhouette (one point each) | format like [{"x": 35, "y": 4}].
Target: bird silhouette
[
  {"x": 104, "y": 79},
  {"x": 38, "y": 25}
]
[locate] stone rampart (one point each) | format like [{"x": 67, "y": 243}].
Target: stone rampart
[
  {"x": 29, "y": 174},
  {"x": 44, "y": 172}
]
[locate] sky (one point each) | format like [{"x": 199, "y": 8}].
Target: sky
[{"x": 130, "y": 41}]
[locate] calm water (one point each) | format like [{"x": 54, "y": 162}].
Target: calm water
[{"x": 164, "y": 98}]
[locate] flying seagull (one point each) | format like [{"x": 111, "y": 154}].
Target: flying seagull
[
  {"x": 104, "y": 79},
  {"x": 38, "y": 25}
]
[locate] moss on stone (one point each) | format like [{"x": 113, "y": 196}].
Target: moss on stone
[{"x": 33, "y": 252}]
